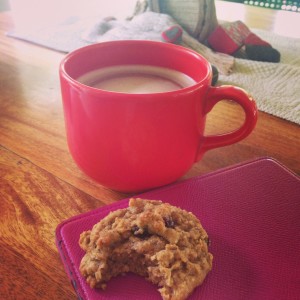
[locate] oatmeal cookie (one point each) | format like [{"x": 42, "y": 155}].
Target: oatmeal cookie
[{"x": 163, "y": 243}]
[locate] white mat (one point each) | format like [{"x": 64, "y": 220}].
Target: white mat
[{"x": 274, "y": 86}]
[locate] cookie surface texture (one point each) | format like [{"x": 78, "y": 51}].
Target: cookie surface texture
[{"x": 163, "y": 243}]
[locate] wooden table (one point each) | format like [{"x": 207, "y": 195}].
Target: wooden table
[{"x": 40, "y": 185}]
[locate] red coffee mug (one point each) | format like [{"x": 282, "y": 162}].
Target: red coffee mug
[{"x": 134, "y": 142}]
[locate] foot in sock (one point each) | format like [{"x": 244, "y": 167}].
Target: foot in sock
[{"x": 230, "y": 37}]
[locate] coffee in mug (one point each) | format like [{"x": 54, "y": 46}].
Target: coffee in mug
[
  {"x": 135, "y": 112},
  {"x": 136, "y": 79}
]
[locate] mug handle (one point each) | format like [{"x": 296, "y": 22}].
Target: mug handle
[{"x": 240, "y": 96}]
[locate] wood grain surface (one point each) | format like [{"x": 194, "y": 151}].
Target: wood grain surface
[{"x": 40, "y": 185}]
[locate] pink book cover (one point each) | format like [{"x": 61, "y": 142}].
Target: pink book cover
[{"x": 251, "y": 212}]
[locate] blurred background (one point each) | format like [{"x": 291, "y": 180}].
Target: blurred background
[
  {"x": 292, "y": 5},
  {"x": 279, "y": 16}
]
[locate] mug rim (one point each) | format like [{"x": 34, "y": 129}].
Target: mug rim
[{"x": 206, "y": 79}]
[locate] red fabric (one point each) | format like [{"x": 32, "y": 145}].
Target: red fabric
[
  {"x": 172, "y": 34},
  {"x": 253, "y": 39},
  {"x": 220, "y": 41},
  {"x": 251, "y": 213},
  {"x": 229, "y": 37}
]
